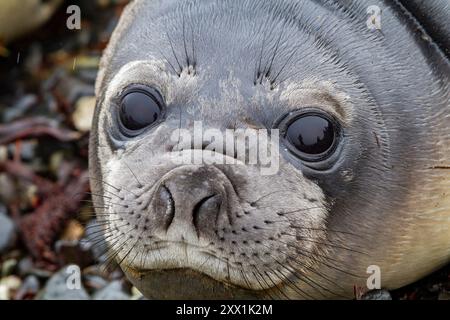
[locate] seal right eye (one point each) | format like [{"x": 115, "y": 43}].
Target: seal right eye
[{"x": 140, "y": 108}]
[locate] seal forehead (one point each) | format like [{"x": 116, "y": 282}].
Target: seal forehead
[{"x": 217, "y": 36}]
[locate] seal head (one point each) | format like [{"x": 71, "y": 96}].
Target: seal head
[{"x": 362, "y": 117}]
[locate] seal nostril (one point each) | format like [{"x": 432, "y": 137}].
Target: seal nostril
[
  {"x": 168, "y": 213},
  {"x": 206, "y": 144},
  {"x": 205, "y": 212}
]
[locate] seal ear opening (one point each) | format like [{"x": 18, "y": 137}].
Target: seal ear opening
[{"x": 434, "y": 17}]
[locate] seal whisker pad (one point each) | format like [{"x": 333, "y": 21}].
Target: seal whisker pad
[{"x": 252, "y": 149}]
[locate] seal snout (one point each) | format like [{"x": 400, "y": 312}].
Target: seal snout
[{"x": 190, "y": 201}]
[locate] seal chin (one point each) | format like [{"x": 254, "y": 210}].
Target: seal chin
[
  {"x": 185, "y": 283},
  {"x": 201, "y": 276}
]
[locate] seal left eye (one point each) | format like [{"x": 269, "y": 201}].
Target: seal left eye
[
  {"x": 311, "y": 135},
  {"x": 139, "y": 109}
]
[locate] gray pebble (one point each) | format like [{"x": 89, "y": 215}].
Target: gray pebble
[
  {"x": 95, "y": 238},
  {"x": 114, "y": 291},
  {"x": 30, "y": 286},
  {"x": 95, "y": 282},
  {"x": 7, "y": 230},
  {"x": 26, "y": 267},
  {"x": 63, "y": 285},
  {"x": 377, "y": 295},
  {"x": 74, "y": 252},
  {"x": 20, "y": 107},
  {"x": 444, "y": 295},
  {"x": 27, "y": 149}
]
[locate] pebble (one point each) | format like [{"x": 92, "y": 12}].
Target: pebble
[
  {"x": 8, "y": 267},
  {"x": 136, "y": 294},
  {"x": 73, "y": 90},
  {"x": 27, "y": 150},
  {"x": 95, "y": 282},
  {"x": 17, "y": 110},
  {"x": 59, "y": 286},
  {"x": 94, "y": 236},
  {"x": 8, "y": 285},
  {"x": 26, "y": 267},
  {"x": 8, "y": 233},
  {"x": 4, "y": 293},
  {"x": 113, "y": 291},
  {"x": 377, "y": 295},
  {"x": 74, "y": 252},
  {"x": 7, "y": 190},
  {"x": 29, "y": 288},
  {"x": 444, "y": 295},
  {"x": 27, "y": 16},
  {"x": 3, "y": 153},
  {"x": 84, "y": 113},
  {"x": 74, "y": 231}
]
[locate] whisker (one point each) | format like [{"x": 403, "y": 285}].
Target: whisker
[
  {"x": 292, "y": 284},
  {"x": 313, "y": 229},
  {"x": 105, "y": 197},
  {"x": 115, "y": 188},
  {"x": 170, "y": 64},
  {"x": 174, "y": 54},
  {"x": 134, "y": 175},
  {"x": 109, "y": 203},
  {"x": 270, "y": 194}
]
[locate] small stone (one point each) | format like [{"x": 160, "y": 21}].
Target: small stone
[
  {"x": 8, "y": 267},
  {"x": 56, "y": 162},
  {"x": 444, "y": 295},
  {"x": 84, "y": 113},
  {"x": 88, "y": 62},
  {"x": 3, "y": 153},
  {"x": 19, "y": 108},
  {"x": 29, "y": 288},
  {"x": 7, "y": 287},
  {"x": 65, "y": 285},
  {"x": 31, "y": 195},
  {"x": 4, "y": 293},
  {"x": 114, "y": 291},
  {"x": 73, "y": 89},
  {"x": 95, "y": 282},
  {"x": 8, "y": 191},
  {"x": 7, "y": 230},
  {"x": 73, "y": 232},
  {"x": 26, "y": 267},
  {"x": 26, "y": 149},
  {"x": 434, "y": 288},
  {"x": 94, "y": 236},
  {"x": 74, "y": 252},
  {"x": 136, "y": 294},
  {"x": 377, "y": 295}
]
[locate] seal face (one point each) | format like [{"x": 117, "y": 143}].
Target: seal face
[{"x": 364, "y": 142}]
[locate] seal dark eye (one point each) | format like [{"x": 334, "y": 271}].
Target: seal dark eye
[
  {"x": 311, "y": 135},
  {"x": 140, "y": 107}
]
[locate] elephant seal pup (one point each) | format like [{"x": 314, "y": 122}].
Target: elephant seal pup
[{"x": 363, "y": 116}]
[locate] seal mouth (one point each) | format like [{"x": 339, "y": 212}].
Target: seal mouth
[
  {"x": 187, "y": 284},
  {"x": 181, "y": 270},
  {"x": 213, "y": 270}
]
